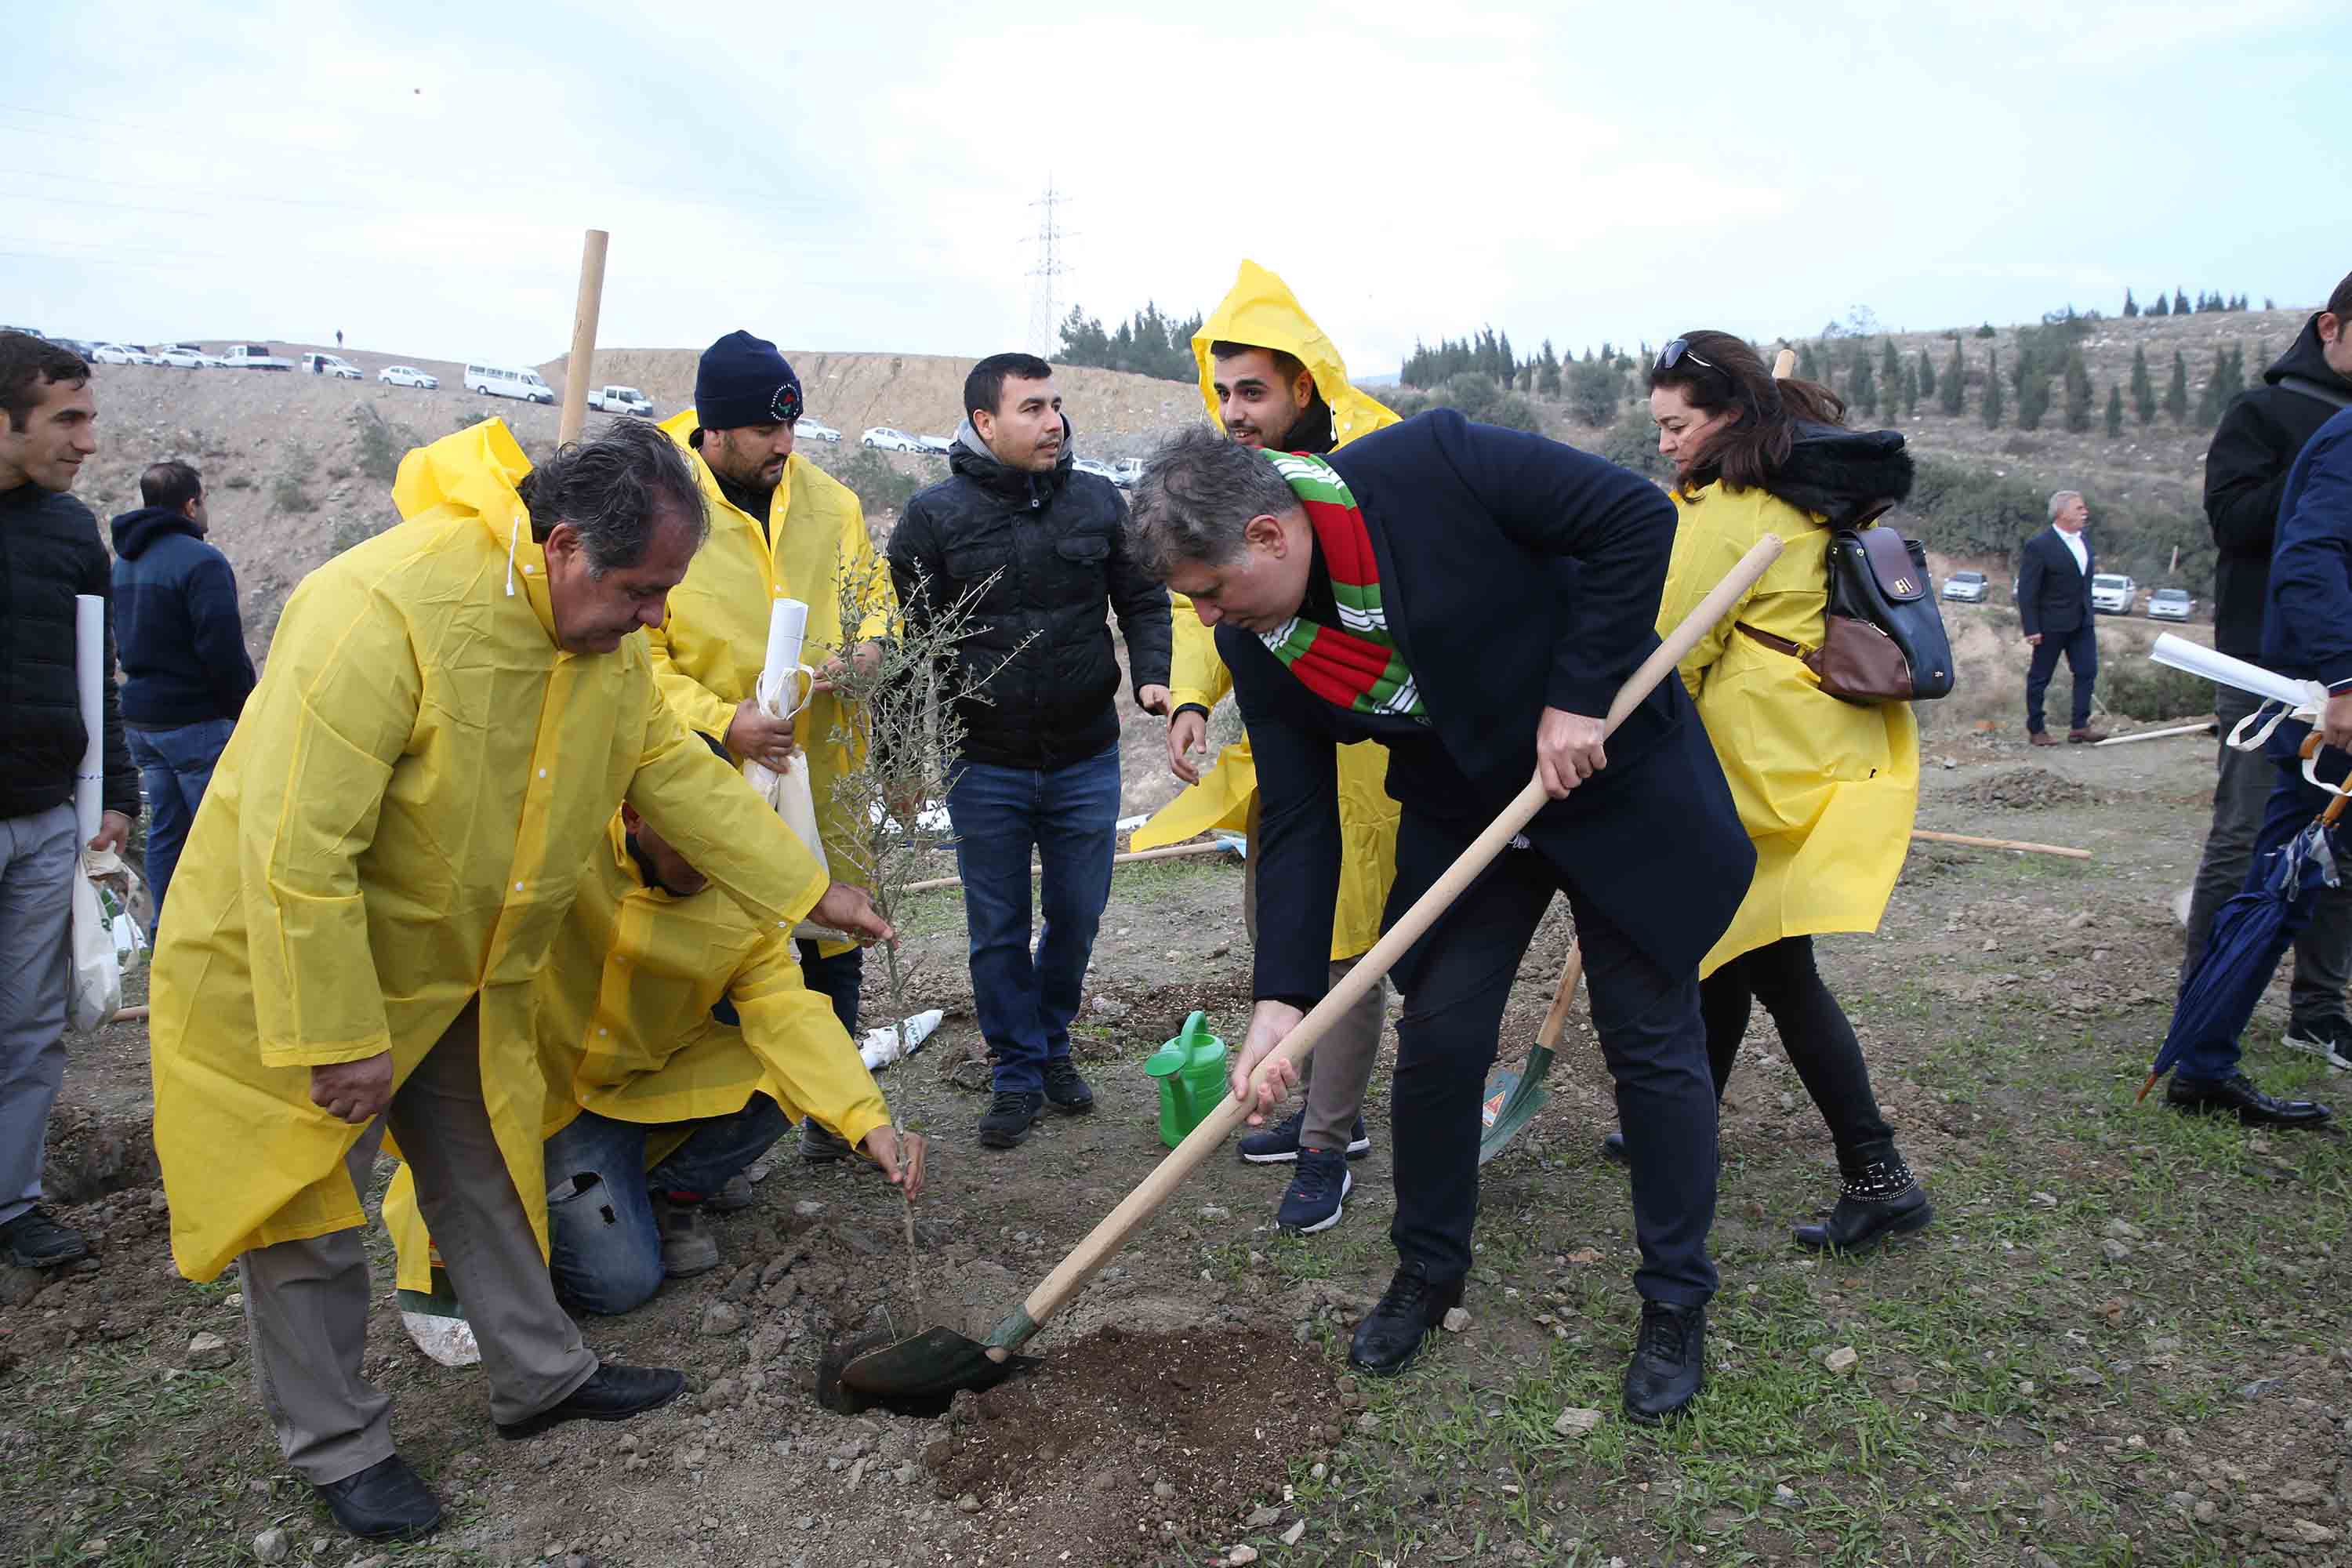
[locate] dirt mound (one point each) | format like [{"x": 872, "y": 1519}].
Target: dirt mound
[
  {"x": 2024, "y": 789},
  {"x": 1129, "y": 1444}
]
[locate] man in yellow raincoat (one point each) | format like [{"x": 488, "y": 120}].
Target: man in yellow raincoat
[
  {"x": 452, "y": 713},
  {"x": 780, "y": 528},
  {"x": 653, "y": 1103},
  {"x": 1276, "y": 383}
]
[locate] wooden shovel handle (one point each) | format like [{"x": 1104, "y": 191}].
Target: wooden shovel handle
[
  {"x": 1563, "y": 999},
  {"x": 1154, "y": 1190},
  {"x": 1784, "y": 364}
]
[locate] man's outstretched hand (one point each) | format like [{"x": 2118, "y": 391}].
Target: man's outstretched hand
[
  {"x": 2336, "y": 721},
  {"x": 1187, "y": 733},
  {"x": 1270, "y": 1025},
  {"x": 1568, "y": 750},
  {"x": 850, "y": 910},
  {"x": 900, "y": 1157}
]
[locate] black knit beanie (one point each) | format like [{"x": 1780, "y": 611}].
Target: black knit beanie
[{"x": 736, "y": 383}]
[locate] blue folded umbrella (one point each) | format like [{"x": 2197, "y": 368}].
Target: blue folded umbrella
[{"x": 2250, "y": 934}]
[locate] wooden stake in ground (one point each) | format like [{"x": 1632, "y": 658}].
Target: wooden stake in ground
[
  {"x": 2017, "y": 844},
  {"x": 577, "y": 369}
]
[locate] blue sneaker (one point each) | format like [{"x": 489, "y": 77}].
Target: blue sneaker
[
  {"x": 1278, "y": 1144},
  {"x": 1312, "y": 1201}
]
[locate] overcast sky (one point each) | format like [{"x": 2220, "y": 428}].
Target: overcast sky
[{"x": 860, "y": 177}]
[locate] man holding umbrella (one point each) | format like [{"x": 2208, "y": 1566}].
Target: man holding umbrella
[
  {"x": 1472, "y": 599},
  {"x": 2307, "y": 635}
]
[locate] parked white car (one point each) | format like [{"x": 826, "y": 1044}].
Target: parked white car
[
  {"x": 1968, "y": 587},
  {"x": 114, "y": 353},
  {"x": 807, "y": 429},
  {"x": 885, "y": 439},
  {"x": 937, "y": 446},
  {"x": 620, "y": 400},
  {"x": 252, "y": 356},
  {"x": 1125, "y": 471},
  {"x": 2111, "y": 592},
  {"x": 507, "y": 381},
  {"x": 407, "y": 376},
  {"x": 188, "y": 358},
  {"x": 334, "y": 365},
  {"x": 1098, "y": 470},
  {"x": 2170, "y": 605}
]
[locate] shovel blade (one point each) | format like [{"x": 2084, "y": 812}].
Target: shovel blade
[
  {"x": 1513, "y": 1096},
  {"x": 932, "y": 1365}
]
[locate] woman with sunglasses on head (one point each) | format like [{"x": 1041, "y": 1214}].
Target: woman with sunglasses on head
[{"x": 1827, "y": 789}]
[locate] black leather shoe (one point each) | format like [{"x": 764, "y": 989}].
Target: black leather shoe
[
  {"x": 1878, "y": 1198},
  {"x": 1011, "y": 1113},
  {"x": 1612, "y": 1148},
  {"x": 1390, "y": 1334},
  {"x": 1669, "y": 1365},
  {"x": 610, "y": 1393},
  {"x": 34, "y": 1240},
  {"x": 1066, "y": 1091},
  {"x": 2237, "y": 1093},
  {"x": 384, "y": 1503}
]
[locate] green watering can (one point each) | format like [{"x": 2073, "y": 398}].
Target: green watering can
[{"x": 1192, "y": 1073}]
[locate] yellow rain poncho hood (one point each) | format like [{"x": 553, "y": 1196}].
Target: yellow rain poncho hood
[
  {"x": 397, "y": 828},
  {"x": 707, "y": 655},
  {"x": 624, "y": 1027},
  {"x": 1261, "y": 311}
]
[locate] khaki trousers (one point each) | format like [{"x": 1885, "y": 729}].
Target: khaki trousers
[
  {"x": 1338, "y": 1069},
  {"x": 306, "y": 1302}
]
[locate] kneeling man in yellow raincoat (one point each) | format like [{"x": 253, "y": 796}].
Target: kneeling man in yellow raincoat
[
  {"x": 655, "y": 1106},
  {"x": 452, "y": 713}
]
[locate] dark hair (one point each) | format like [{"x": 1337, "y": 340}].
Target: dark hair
[
  {"x": 27, "y": 363},
  {"x": 1719, "y": 370},
  {"x": 616, "y": 491},
  {"x": 2339, "y": 304},
  {"x": 171, "y": 484},
  {"x": 986, "y": 383},
  {"x": 1197, "y": 495},
  {"x": 1286, "y": 366}
]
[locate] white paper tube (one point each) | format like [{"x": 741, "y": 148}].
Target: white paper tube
[
  {"x": 2196, "y": 659},
  {"x": 787, "y": 629},
  {"x": 90, "y": 669}
]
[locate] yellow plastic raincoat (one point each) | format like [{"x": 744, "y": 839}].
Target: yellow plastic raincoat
[
  {"x": 625, "y": 1026},
  {"x": 708, "y": 653},
  {"x": 397, "y": 828},
  {"x": 1827, "y": 789},
  {"x": 1260, "y": 311}
]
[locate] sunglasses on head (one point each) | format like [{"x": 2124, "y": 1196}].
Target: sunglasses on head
[
  {"x": 1674, "y": 353},
  {"x": 786, "y": 405}
]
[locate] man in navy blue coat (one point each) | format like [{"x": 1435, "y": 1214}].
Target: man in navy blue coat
[
  {"x": 2307, "y": 633},
  {"x": 2053, "y": 605},
  {"x": 1517, "y": 585}
]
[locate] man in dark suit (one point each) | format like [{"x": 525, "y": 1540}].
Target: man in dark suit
[
  {"x": 1472, "y": 599},
  {"x": 2054, "y": 601}
]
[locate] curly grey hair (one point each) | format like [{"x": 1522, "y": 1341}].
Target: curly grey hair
[{"x": 616, "y": 491}]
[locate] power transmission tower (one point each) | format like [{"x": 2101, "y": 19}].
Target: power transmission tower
[{"x": 1044, "y": 318}]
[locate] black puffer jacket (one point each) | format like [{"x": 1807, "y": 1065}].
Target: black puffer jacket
[
  {"x": 50, "y": 553},
  {"x": 1057, "y": 544},
  {"x": 2245, "y": 470},
  {"x": 1842, "y": 474}
]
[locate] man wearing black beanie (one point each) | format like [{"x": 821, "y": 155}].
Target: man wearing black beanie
[{"x": 780, "y": 528}]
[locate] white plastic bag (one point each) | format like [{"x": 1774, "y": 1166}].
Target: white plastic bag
[
  {"x": 881, "y": 1046},
  {"x": 97, "y": 966}
]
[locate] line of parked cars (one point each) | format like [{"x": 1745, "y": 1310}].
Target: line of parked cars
[{"x": 2111, "y": 594}]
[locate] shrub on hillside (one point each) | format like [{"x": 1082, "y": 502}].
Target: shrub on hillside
[
  {"x": 2143, "y": 689},
  {"x": 382, "y": 443},
  {"x": 879, "y": 486},
  {"x": 1596, "y": 391},
  {"x": 1633, "y": 443}
]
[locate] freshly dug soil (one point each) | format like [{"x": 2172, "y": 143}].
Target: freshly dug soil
[
  {"x": 2023, "y": 789},
  {"x": 1127, "y": 1443}
]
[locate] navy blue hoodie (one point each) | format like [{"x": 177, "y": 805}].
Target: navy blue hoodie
[{"x": 180, "y": 642}]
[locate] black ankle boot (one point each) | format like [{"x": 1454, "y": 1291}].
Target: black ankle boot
[
  {"x": 1669, "y": 1364},
  {"x": 1390, "y": 1334},
  {"x": 1879, "y": 1197}
]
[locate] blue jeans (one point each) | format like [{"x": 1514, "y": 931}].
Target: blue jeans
[
  {"x": 2292, "y": 804},
  {"x": 2081, "y": 648},
  {"x": 1069, "y": 817},
  {"x": 603, "y": 1247},
  {"x": 175, "y": 767}
]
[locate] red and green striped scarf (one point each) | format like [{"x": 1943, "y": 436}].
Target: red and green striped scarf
[{"x": 1354, "y": 664}]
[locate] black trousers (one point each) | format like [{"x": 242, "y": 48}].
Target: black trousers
[
  {"x": 2081, "y": 648},
  {"x": 1456, "y": 982},
  {"x": 837, "y": 979},
  {"x": 1814, "y": 1031}
]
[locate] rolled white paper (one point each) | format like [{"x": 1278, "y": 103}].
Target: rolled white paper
[
  {"x": 787, "y": 629},
  {"x": 90, "y": 669},
  {"x": 2180, "y": 653}
]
